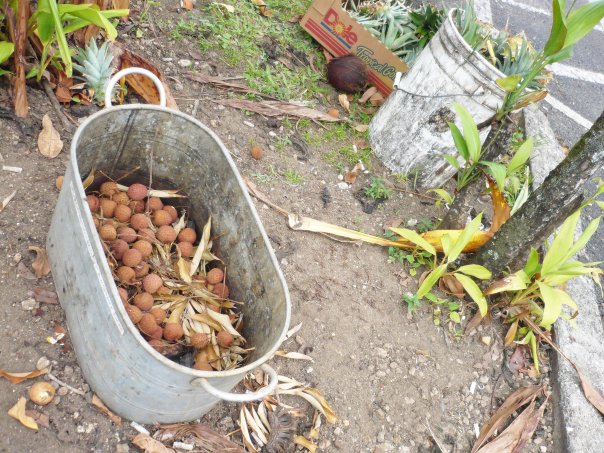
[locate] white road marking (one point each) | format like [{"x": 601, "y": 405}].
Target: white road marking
[
  {"x": 576, "y": 117},
  {"x": 577, "y": 73},
  {"x": 483, "y": 10},
  {"x": 536, "y": 10}
]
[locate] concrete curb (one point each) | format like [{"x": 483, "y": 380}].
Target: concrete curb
[{"x": 579, "y": 426}]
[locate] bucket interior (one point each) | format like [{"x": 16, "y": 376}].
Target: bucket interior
[{"x": 176, "y": 152}]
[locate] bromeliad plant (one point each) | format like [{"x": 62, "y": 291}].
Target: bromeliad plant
[{"x": 535, "y": 295}]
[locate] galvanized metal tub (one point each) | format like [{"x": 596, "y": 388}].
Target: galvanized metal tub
[{"x": 132, "y": 378}]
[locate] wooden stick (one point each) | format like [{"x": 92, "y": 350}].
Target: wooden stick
[{"x": 56, "y": 106}]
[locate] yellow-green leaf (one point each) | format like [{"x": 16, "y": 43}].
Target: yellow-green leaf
[
  {"x": 509, "y": 83},
  {"x": 561, "y": 245},
  {"x": 442, "y": 193},
  {"x": 521, "y": 156},
  {"x": 431, "y": 280},
  {"x": 514, "y": 282},
  {"x": 470, "y": 132},
  {"x": 474, "y": 291},
  {"x": 412, "y": 236},
  {"x": 553, "y": 299},
  {"x": 475, "y": 270},
  {"x": 464, "y": 238}
]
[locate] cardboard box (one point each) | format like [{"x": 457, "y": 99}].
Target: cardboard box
[{"x": 340, "y": 34}]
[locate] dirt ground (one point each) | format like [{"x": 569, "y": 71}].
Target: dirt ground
[{"x": 397, "y": 381}]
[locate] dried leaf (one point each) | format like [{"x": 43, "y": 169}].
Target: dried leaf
[
  {"x": 361, "y": 127},
  {"x": 452, "y": 286},
  {"x": 295, "y": 19},
  {"x": 49, "y": 140},
  {"x": 512, "y": 403},
  {"x": 316, "y": 425},
  {"x": 39, "y": 417},
  {"x": 594, "y": 396},
  {"x": 367, "y": 95},
  {"x": 501, "y": 209},
  {"x": 16, "y": 378},
  {"x": 278, "y": 109},
  {"x": 351, "y": 176},
  {"x": 224, "y": 321},
  {"x": 18, "y": 412},
  {"x": 474, "y": 322},
  {"x": 293, "y": 355},
  {"x": 222, "y": 83},
  {"x": 327, "y": 411},
  {"x": 201, "y": 435},
  {"x": 343, "y": 100},
  {"x": 376, "y": 99},
  {"x": 291, "y": 332},
  {"x": 187, "y": 4},
  {"x": 40, "y": 264},
  {"x": 203, "y": 244},
  {"x": 150, "y": 445},
  {"x": 518, "y": 360},
  {"x": 245, "y": 433},
  {"x": 96, "y": 402},
  {"x": 7, "y": 200},
  {"x": 183, "y": 270},
  {"x": 45, "y": 296},
  {"x": 514, "y": 437},
  {"x": 301, "y": 440},
  {"x": 143, "y": 86},
  {"x": 229, "y": 8},
  {"x": 511, "y": 334},
  {"x": 262, "y": 8}
]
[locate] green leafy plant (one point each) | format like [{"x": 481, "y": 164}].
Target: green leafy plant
[
  {"x": 413, "y": 258},
  {"x": 452, "y": 248},
  {"x": 293, "y": 177},
  {"x": 412, "y": 301},
  {"x": 468, "y": 146},
  {"x": 424, "y": 225},
  {"x": 535, "y": 295},
  {"x": 6, "y": 50},
  {"x": 52, "y": 22},
  {"x": 377, "y": 190},
  {"x": 426, "y": 21}
]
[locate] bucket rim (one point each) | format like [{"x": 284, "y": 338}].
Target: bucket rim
[
  {"x": 496, "y": 72},
  {"x": 105, "y": 267}
]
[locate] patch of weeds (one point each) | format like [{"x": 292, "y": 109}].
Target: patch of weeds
[
  {"x": 414, "y": 259},
  {"x": 412, "y": 301},
  {"x": 453, "y": 310},
  {"x": 347, "y": 156},
  {"x": 293, "y": 177},
  {"x": 263, "y": 178},
  {"x": 377, "y": 190},
  {"x": 281, "y": 143},
  {"x": 424, "y": 225},
  {"x": 185, "y": 27}
]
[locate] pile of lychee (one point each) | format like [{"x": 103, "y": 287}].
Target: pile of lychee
[{"x": 143, "y": 239}]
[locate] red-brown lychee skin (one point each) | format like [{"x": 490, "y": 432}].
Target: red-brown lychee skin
[
  {"x": 215, "y": 276},
  {"x": 132, "y": 258},
  {"x": 127, "y": 234},
  {"x": 187, "y": 235},
  {"x": 144, "y": 301},
  {"x": 172, "y": 211},
  {"x": 152, "y": 282},
  {"x": 161, "y": 218},
  {"x": 137, "y": 192},
  {"x": 139, "y": 221},
  {"x": 173, "y": 331}
]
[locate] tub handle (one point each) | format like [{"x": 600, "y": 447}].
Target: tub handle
[
  {"x": 124, "y": 72},
  {"x": 241, "y": 397}
]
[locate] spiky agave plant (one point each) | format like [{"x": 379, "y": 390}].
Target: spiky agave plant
[{"x": 95, "y": 65}]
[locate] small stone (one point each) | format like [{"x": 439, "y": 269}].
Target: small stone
[
  {"x": 340, "y": 177},
  {"x": 538, "y": 441},
  {"x": 338, "y": 431},
  {"x": 17, "y": 258},
  {"x": 484, "y": 379},
  {"x": 346, "y": 423},
  {"x": 393, "y": 365},
  {"x": 184, "y": 63},
  {"x": 324, "y": 444},
  {"x": 249, "y": 123},
  {"x": 122, "y": 448},
  {"x": 409, "y": 401},
  {"x": 68, "y": 371},
  {"x": 272, "y": 134},
  {"x": 381, "y": 437},
  {"x": 411, "y": 222},
  {"x": 343, "y": 185},
  {"x": 412, "y": 371},
  {"x": 62, "y": 391},
  {"x": 56, "y": 400},
  {"x": 42, "y": 363},
  {"x": 380, "y": 374},
  {"x": 543, "y": 448},
  {"x": 226, "y": 424},
  {"x": 339, "y": 444},
  {"x": 486, "y": 340},
  {"x": 29, "y": 304},
  {"x": 381, "y": 352}
]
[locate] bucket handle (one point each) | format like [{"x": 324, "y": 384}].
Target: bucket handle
[
  {"x": 241, "y": 397},
  {"x": 124, "y": 72}
]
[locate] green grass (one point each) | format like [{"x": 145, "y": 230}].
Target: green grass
[
  {"x": 293, "y": 177},
  {"x": 240, "y": 38},
  {"x": 377, "y": 190}
]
